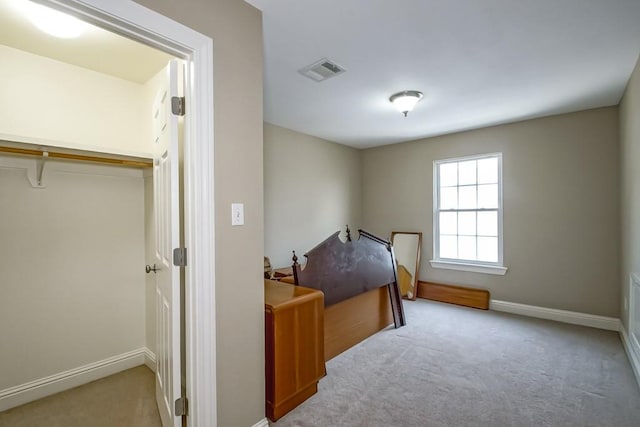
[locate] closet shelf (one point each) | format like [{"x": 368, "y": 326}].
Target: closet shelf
[{"x": 137, "y": 163}]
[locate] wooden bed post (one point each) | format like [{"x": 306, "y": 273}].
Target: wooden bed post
[
  {"x": 394, "y": 293},
  {"x": 295, "y": 267}
]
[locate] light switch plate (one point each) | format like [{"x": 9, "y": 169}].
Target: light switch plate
[{"x": 237, "y": 213}]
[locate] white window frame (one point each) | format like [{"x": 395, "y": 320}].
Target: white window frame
[{"x": 497, "y": 268}]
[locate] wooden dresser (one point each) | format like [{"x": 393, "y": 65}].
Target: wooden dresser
[{"x": 294, "y": 345}]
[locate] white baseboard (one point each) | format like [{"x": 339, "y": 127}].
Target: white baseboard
[
  {"x": 33, "y": 390},
  {"x": 632, "y": 347},
  {"x": 573, "y": 317},
  {"x": 150, "y": 359},
  {"x": 262, "y": 423}
]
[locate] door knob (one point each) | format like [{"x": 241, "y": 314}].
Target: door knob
[{"x": 149, "y": 269}]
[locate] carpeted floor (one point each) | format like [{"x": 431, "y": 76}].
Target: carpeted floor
[
  {"x": 456, "y": 366},
  {"x": 124, "y": 399}
]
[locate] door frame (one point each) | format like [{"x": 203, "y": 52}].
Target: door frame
[{"x": 137, "y": 22}]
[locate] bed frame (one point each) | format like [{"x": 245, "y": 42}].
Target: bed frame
[{"x": 359, "y": 282}]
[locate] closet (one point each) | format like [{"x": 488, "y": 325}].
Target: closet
[{"x": 76, "y": 224}]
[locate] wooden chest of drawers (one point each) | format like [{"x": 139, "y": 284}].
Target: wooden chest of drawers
[{"x": 294, "y": 345}]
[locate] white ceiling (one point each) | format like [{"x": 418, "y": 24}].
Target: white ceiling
[
  {"x": 478, "y": 62},
  {"x": 97, "y": 49}
]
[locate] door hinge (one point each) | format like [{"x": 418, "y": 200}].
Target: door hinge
[
  {"x": 180, "y": 257},
  {"x": 177, "y": 105},
  {"x": 182, "y": 407}
]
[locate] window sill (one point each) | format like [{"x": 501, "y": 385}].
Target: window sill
[{"x": 476, "y": 268}]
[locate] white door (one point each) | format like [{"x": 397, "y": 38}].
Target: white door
[{"x": 167, "y": 219}]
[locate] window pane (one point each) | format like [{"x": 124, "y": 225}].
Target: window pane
[
  {"x": 448, "y": 247},
  {"x": 467, "y": 197},
  {"x": 487, "y": 223},
  {"x": 467, "y": 223},
  {"x": 487, "y": 196},
  {"x": 448, "y": 223},
  {"x": 448, "y": 174},
  {"x": 467, "y": 247},
  {"x": 449, "y": 198},
  {"x": 488, "y": 249},
  {"x": 488, "y": 171},
  {"x": 469, "y": 211},
  {"x": 467, "y": 172}
]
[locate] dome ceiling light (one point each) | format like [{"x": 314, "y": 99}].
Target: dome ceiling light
[
  {"x": 406, "y": 100},
  {"x": 53, "y": 22}
]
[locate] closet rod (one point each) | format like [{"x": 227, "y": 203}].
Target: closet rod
[{"x": 67, "y": 156}]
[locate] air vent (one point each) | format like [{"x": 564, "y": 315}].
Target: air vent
[{"x": 322, "y": 70}]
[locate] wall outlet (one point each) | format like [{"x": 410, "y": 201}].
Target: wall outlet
[{"x": 237, "y": 213}]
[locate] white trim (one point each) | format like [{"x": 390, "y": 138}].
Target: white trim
[
  {"x": 37, "y": 389},
  {"x": 262, "y": 423},
  {"x": 199, "y": 212},
  {"x": 150, "y": 359},
  {"x": 40, "y": 142},
  {"x": 573, "y": 317},
  {"x": 137, "y": 22},
  {"x": 476, "y": 268},
  {"x": 634, "y": 292},
  {"x": 632, "y": 348},
  {"x": 461, "y": 264}
]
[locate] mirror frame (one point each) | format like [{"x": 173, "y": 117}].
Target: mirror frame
[{"x": 417, "y": 270}]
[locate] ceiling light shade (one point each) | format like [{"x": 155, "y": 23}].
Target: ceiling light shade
[
  {"x": 54, "y": 23},
  {"x": 405, "y": 101}
]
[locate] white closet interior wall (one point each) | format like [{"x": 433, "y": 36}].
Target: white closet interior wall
[
  {"x": 73, "y": 288},
  {"x": 69, "y": 106}
]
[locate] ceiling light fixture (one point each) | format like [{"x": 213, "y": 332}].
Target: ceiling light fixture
[
  {"x": 53, "y": 22},
  {"x": 406, "y": 100}
]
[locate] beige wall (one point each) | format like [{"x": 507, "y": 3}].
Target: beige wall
[
  {"x": 311, "y": 190},
  {"x": 236, "y": 30},
  {"x": 630, "y": 177},
  {"x": 561, "y": 206},
  {"x": 71, "y": 277},
  {"x": 41, "y": 97}
]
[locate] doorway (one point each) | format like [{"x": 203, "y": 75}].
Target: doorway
[
  {"x": 75, "y": 288},
  {"x": 134, "y": 21}
]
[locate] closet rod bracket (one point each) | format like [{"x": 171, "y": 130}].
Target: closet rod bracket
[
  {"x": 36, "y": 175},
  {"x": 41, "y": 165}
]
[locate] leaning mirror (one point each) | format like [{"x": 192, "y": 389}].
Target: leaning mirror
[{"x": 406, "y": 246}]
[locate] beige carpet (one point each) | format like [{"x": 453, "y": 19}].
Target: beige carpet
[
  {"x": 123, "y": 399},
  {"x": 456, "y": 367}
]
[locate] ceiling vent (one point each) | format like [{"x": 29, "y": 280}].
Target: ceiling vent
[{"x": 322, "y": 70}]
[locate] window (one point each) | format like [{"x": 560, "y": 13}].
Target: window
[{"x": 467, "y": 217}]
